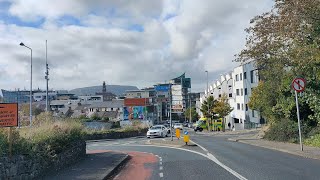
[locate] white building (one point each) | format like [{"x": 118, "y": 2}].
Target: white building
[
  {"x": 245, "y": 78},
  {"x": 238, "y": 86},
  {"x": 90, "y": 99}
]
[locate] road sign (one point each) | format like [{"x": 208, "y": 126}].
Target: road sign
[
  {"x": 299, "y": 84},
  {"x": 186, "y": 132},
  {"x": 8, "y": 114}
]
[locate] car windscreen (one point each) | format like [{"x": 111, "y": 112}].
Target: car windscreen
[{"x": 156, "y": 127}]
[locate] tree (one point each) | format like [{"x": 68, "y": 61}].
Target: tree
[
  {"x": 284, "y": 43},
  {"x": 207, "y": 109},
  {"x": 222, "y": 107},
  {"x": 194, "y": 114}
]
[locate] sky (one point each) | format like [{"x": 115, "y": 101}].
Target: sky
[{"x": 122, "y": 42}]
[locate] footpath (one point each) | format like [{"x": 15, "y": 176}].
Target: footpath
[{"x": 94, "y": 166}]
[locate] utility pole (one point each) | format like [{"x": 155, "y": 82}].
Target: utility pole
[
  {"x": 47, "y": 79},
  {"x": 170, "y": 100},
  {"x": 190, "y": 107},
  {"x": 209, "y": 127}
]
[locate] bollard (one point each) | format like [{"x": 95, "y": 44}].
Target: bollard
[
  {"x": 186, "y": 137},
  {"x": 178, "y": 133}
]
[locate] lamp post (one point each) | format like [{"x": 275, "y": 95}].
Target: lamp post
[
  {"x": 21, "y": 44},
  {"x": 208, "y": 100}
]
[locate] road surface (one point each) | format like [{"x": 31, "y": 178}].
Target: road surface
[{"x": 215, "y": 158}]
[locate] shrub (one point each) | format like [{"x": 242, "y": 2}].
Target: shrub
[
  {"x": 284, "y": 130},
  {"x": 95, "y": 117},
  {"x": 313, "y": 141},
  {"x": 116, "y": 124}
]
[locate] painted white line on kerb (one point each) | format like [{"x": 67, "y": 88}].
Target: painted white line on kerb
[
  {"x": 161, "y": 175},
  {"x": 208, "y": 155},
  {"x": 161, "y": 168},
  {"x": 199, "y": 146}
]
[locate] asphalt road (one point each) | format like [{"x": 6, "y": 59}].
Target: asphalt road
[
  {"x": 175, "y": 164},
  {"x": 259, "y": 163},
  {"x": 219, "y": 159}
]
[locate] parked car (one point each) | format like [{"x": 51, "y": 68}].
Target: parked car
[
  {"x": 190, "y": 125},
  {"x": 157, "y": 131},
  {"x": 178, "y": 126}
]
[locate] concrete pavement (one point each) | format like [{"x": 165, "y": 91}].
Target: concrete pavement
[{"x": 97, "y": 165}]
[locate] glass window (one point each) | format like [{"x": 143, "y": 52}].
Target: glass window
[
  {"x": 241, "y": 106},
  {"x": 241, "y": 92},
  {"x": 238, "y": 106},
  {"x": 251, "y": 76},
  {"x": 238, "y": 93},
  {"x": 245, "y": 75},
  {"x": 237, "y": 78},
  {"x": 252, "y": 113},
  {"x": 240, "y": 76},
  {"x": 230, "y": 94},
  {"x": 245, "y": 91},
  {"x": 247, "y": 108}
]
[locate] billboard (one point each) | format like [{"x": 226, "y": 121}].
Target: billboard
[
  {"x": 133, "y": 112},
  {"x": 135, "y": 101},
  {"x": 8, "y": 114},
  {"x": 164, "y": 88}
]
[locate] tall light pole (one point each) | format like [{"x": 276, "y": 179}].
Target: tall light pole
[
  {"x": 21, "y": 44},
  {"x": 47, "y": 80},
  {"x": 208, "y": 99}
]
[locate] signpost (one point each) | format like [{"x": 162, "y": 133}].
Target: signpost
[
  {"x": 299, "y": 85},
  {"x": 9, "y": 118}
]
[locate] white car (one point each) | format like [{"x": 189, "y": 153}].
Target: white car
[
  {"x": 178, "y": 126},
  {"x": 157, "y": 131}
]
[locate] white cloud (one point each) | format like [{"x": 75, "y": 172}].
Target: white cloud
[{"x": 107, "y": 44}]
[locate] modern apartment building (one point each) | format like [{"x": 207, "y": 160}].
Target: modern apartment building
[{"x": 238, "y": 86}]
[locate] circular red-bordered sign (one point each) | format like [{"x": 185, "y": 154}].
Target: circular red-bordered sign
[{"x": 299, "y": 84}]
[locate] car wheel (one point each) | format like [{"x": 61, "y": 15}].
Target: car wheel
[{"x": 201, "y": 130}]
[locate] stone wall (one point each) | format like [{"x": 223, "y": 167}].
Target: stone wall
[
  {"x": 29, "y": 167},
  {"x": 116, "y": 135}
]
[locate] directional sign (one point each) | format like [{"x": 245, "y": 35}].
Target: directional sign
[
  {"x": 8, "y": 114},
  {"x": 298, "y": 84},
  {"x": 186, "y": 132}
]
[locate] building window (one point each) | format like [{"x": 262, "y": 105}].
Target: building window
[
  {"x": 238, "y": 92},
  {"x": 230, "y": 94},
  {"x": 219, "y": 95},
  {"x": 236, "y": 120},
  {"x": 237, "y": 78},
  {"x": 242, "y": 107},
  {"x": 241, "y": 92},
  {"x": 238, "y": 106},
  {"x": 247, "y": 108},
  {"x": 251, "y": 76},
  {"x": 240, "y": 76},
  {"x": 111, "y": 109},
  {"x": 245, "y": 91},
  {"x": 245, "y": 75},
  {"x": 252, "y": 113}
]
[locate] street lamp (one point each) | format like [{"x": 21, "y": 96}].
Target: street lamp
[
  {"x": 21, "y": 44},
  {"x": 208, "y": 98}
]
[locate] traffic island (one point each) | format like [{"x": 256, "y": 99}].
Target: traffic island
[{"x": 167, "y": 142}]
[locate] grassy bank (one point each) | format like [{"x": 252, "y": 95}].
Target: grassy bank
[{"x": 49, "y": 136}]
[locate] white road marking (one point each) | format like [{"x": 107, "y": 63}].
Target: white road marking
[
  {"x": 161, "y": 175},
  {"x": 199, "y": 146},
  {"x": 208, "y": 155},
  {"x": 160, "y": 163},
  {"x": 163, "y": 140},
  {"x": 161, "y": 168}
]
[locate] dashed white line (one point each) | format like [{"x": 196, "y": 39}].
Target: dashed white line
[
  {"x": 160, "y": 163},
  {"x": 161, "y": 168},
  {"x": 161, "y": 175},
  {"x": 208, "y": 155}
]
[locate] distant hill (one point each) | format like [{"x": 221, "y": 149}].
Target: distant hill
[{"x": 115, "y": 89}]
